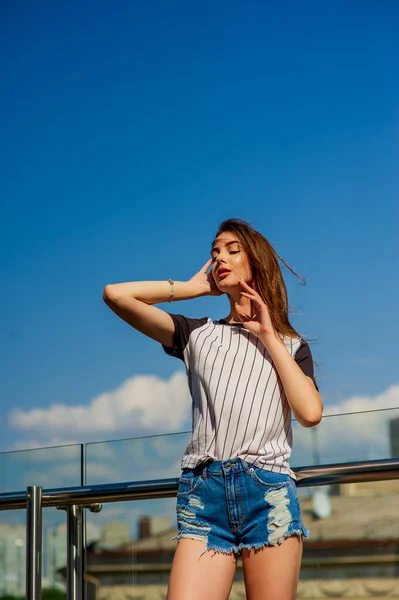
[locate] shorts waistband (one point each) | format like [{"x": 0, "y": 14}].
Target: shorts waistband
[{"x": 221, "y": 467}]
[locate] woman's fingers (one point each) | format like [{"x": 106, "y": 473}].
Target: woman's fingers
[
  {"x": 249, "y": 288},
  {"x": 242, "y": 314},
  {"x": 255, "y": 299},
  {"x": 244, "y": 283},
  {"x": 206, "y": 266},
  {"x": 252, "y": 294}
]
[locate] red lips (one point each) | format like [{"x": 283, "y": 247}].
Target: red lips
[{"x": 222, "y": 272}]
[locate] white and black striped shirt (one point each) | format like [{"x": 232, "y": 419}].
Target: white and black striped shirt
[{"x": 239, "y": 407}]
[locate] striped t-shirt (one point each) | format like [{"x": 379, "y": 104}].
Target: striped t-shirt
[{"x": 239, "y": 407}]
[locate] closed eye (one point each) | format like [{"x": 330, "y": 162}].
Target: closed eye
[{"x": 213, "y": 258}]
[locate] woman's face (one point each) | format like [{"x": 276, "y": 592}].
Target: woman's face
[{"x": 230, "y": 262}]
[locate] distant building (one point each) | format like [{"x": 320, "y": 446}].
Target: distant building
[
  {"x": 394, "y": 437},
  {"x": 12, "y": 560},
  {"x": 114, "y": 535},
  {"x": 151, "y": 526},
  {"x": 55, "y": 539}
]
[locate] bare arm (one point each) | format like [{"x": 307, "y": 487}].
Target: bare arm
[
  {"x": 133, "y": 302},
  {"x": 302, "y": 395}
]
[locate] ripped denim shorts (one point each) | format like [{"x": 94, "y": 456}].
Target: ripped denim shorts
[{"x": 231, "y": 505}]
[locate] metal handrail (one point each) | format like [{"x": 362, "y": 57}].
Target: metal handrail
[{"x": 375, "y": 470}]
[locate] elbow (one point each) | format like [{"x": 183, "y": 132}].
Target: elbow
[
  {"x": 311, "y": 420},
  {"x": 313, "y": 413},
  {"x": 109, "y": 296}
]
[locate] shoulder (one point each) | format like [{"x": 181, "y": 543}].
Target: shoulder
[
  {"x": 183, "y": 329},
  {"x": 186, "y": 325},
  {"x": 303, "y": 357},
  {"x": 302, "y": 350}
]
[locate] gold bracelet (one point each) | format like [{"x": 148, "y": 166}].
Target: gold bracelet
[{"x": 172, "y": 290}]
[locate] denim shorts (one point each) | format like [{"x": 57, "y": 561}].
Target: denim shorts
[{"x": 231, "y": 505}]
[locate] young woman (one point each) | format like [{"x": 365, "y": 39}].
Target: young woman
[{"x": 247, "y": 374}]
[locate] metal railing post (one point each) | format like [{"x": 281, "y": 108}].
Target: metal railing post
[
  {"x": 84, "y": 549},
  {"x": 74, "y": 552},
  {"x": 34, "y": 543}
]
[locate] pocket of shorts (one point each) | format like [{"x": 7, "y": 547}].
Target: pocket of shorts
[
  {"x": 270, "y": 480},
  {"x": 188, "y": 483}
]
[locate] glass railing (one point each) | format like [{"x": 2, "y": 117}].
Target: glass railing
[
  {"x": 46, "y": 467},
  {"x": 352, "y": 552},
  {"x": 347, "y": 437},
  {"x": 135, "y": 459}
]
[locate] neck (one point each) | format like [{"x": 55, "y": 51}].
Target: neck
[{"x": 243, "y": 303}]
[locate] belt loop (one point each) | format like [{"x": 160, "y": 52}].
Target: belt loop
[{"x": 204, "y": 473}]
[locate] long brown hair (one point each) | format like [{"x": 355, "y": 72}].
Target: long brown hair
[{"x": 266, "y": 272}]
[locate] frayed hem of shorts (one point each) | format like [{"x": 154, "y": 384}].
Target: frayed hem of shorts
[
  {"x": 215, "y": 549},
  {"x": 188, "y": 536},
  {"x": 302, "y": 532}
]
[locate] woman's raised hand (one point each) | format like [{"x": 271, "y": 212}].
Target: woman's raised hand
[
  {"x": 204, "y": 281},
  {"x": 257, "y": 319}
]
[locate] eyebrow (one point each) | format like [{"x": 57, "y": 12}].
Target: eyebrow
[{"x": 228, "y": 244}]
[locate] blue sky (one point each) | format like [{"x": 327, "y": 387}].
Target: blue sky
[{"x": 130, "y": 131}]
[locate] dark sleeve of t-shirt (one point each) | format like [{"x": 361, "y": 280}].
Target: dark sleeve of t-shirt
[
  {"x": 303, "y": 358},
  {"x": 183, "y": 327}
]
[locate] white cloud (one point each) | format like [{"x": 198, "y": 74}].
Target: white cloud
[
  {"x": 389, "y": 398},
  {"x": 140, "y": 404},
  {"x": 47, "y": 442}
]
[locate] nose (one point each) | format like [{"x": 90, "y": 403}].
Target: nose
[{"x": 220, "y": 259}]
